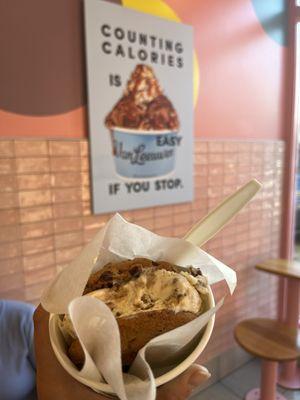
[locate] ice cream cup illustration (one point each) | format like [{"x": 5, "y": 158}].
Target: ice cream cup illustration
[
  {"x": 144, "y": 154},
  {"x": 144, "y": 128}
]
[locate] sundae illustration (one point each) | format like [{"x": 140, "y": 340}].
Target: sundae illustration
[{"x": 144, "y": 128}]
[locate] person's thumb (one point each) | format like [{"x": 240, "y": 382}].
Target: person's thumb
[
  {"x": 182, "y": 386},
  {"x": 199, "y": 376}
]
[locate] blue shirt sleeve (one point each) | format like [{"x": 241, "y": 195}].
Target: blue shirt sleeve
[{"x": 17, "y": 360}]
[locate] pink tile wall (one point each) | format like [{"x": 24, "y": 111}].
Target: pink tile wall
[{"x": 46, "y": 218}]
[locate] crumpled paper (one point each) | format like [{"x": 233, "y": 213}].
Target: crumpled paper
[{"x": 94, "y": 323}]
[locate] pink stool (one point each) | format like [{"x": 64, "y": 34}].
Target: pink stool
[
  {"x": 288, "y": 311},
  {"x": 273, "y": 342}
]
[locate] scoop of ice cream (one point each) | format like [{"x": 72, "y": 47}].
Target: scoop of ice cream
[
  {"x": 153, "y": 290},
  {"x": 143, "y": 105}
]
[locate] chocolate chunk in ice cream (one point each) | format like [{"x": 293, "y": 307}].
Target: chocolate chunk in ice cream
[{"x": 143, "y": 105}]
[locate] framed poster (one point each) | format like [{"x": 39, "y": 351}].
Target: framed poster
[{"x": 140, "y": 107}]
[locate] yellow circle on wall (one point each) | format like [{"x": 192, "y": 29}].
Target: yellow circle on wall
[{"x": 160, "y": 9}]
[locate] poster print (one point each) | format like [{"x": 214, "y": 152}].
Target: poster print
[{"x": 140, "y": 106}]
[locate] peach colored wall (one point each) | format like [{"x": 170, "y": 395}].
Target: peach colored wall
[{"x": 242, "y": 71}]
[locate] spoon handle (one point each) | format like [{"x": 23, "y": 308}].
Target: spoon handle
[{"x": 205, "y": 229}]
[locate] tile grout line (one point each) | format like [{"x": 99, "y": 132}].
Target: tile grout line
[
  {"x": 228, "y": 387},
  {"x": 19, "y": 218}
]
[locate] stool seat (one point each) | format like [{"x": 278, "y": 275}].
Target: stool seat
[
  {"x": 285, "y": 268},
  {"x": 268, "y": 339}
]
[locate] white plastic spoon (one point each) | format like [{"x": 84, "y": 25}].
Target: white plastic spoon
[{"x": 223, "y": 213}]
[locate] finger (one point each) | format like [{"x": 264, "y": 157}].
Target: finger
[
  {"x": 183, "y": 386},
  {"x": 40, "y": 315},
  {"x": 199, "y": 375}
]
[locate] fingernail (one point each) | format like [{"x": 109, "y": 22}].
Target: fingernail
[{"x": 198, "y": 377}]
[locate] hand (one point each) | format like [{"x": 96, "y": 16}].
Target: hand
[
  {"x": 183, "y": 386},
  {"x": 53, "y": 382}
]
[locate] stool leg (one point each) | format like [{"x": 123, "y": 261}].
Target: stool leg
[
  {"x": 267, "y": 389},
  {"x": 290, "y": 375},
  {"x": 281, "y": 305},
  {"x": 268, "y": 380}
]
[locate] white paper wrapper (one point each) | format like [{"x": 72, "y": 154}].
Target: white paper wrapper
[{"x": 94, "y": 323}]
